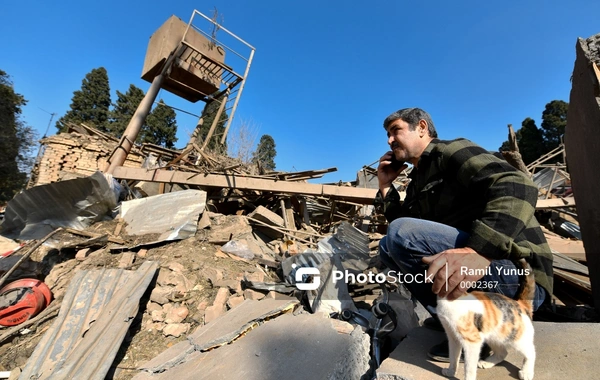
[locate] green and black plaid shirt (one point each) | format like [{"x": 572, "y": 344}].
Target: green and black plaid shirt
[{"x": 460, "y": 184}]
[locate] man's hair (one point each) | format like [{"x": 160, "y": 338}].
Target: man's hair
[{"x": 412, "y": 117}]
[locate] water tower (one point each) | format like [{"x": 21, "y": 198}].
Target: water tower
[{"x": 192, "y": 62}]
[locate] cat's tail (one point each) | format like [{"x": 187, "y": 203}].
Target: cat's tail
[{"x": 527, "y": 290}]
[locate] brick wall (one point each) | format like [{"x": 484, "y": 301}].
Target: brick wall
[{"x": 69, "y": 155}]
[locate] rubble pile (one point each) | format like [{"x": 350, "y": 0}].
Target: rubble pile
[
  {"x": 198, "y": 280},
  {"x": 572, "y": 287},
  {"x": 214, "y": 250},
  {"x": 170, "y": 275}
]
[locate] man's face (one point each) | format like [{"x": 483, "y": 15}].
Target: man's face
[{"x": 407, "y": 145}]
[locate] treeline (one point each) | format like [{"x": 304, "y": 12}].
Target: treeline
[
  {"x": 534, "y": 142},
  {"x": 92, "y": 105},
  {"x": 17, "y": 140}
]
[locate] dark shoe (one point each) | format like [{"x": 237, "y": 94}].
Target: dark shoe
[
  {"x": 440, "y": 352},
  {"x": 433, "y": 323}
]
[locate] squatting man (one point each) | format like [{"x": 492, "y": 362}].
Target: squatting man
[{"x": 464, "y": 208}]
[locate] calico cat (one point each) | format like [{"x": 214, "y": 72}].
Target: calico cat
[{"x": 495, "y": 319}]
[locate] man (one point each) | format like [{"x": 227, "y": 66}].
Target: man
[{"x": 467, "y": 214}]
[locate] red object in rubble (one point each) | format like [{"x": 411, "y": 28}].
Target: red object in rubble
[{"x": 23, "y": 299}]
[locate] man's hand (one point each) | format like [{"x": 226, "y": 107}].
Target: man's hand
[
  {"x": 456, "y": 259},
  {"x": 386, "y": 174}
]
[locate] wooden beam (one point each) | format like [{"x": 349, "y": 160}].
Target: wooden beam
[
  {"x": 353, "y": 194},
  {"x": 566, "y": 263},
  {"x": 580, "y": 282},
  {"x": 289, "y": 212},
  {"x": 358, "y": 195},
  {"x": 555, "y": 203}
]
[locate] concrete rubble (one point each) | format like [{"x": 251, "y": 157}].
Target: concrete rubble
[
  {"x": 216, "y": 247},
  {"x": 292, "y": 347}
]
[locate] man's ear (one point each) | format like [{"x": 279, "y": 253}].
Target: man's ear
[{"x": 423, "y": 128}]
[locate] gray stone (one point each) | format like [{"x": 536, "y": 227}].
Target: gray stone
[
  {"x": 257, "y": 245},
  {"x": 218, "y": 307},
  {"x": 176, "y": 314},
  {"x": 176, "y": 329},
  {"x": 176, "y": 267},
  {"x": 214, "y": 275},
  {"x": 234, "y": 285},
  {"x": 151, "y": 306},
  {"x": 222, "y": 331},
  {"x": 267, "y": 216},
  {"x": 250, "y": 294},
  {"x": 287, "y": 347},
  {"x": 157, "y": 316},
  {"x": 82, "y": 254},
  {"x": 204, "y": 221},
  {"x": 235, "y": 301},
  {"x": 160, "y": 294},
  {"x": 225, "y": 228}
]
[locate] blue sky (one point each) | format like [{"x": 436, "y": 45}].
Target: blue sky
[{"x": 325, "y": 73}]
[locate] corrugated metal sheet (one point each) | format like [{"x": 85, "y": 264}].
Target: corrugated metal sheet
[
  {"x": 75, "y": 203},
  {"x": 173, "y": 215},
  {"x": 543, "y": 178},
  {"x": 95, "y": 314},
  {"x": 351, "y": 244},
  {"x": 348, "y": 242},
  {"x": 354, "y": 239},
  {"x": 571, "y": 229}
]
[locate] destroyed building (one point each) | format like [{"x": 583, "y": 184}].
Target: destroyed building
[
  {"x": 183, "y": 264},
  {"x": 81, "y": 151}
]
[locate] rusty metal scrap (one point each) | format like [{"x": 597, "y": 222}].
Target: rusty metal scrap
[{"x": 95, "y": 314}]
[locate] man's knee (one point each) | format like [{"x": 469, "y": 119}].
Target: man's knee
[
  {"x": 414, "y": 236},
  {"x": 385, "y": 255},
  {"x": 410, "y": 229}
]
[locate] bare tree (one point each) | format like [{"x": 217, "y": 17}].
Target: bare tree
[
  {"x": 241, "y": 140},
  {"x": 217, "y": 20}
]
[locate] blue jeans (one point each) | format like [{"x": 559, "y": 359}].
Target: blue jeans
[{"x": 409, "y": 240}]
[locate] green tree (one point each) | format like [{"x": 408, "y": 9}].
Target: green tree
[
  {"x": 16, "y": 140},
  {"x": 530, "y": 140},
  {"x": 265, "y": 152},
  {"x": 554, "y": 121},
  {"x": 90, "y": 104},
  {"x": 123, "y": 110},
  {"x": 208, "y": 116},
  {"x": 161, "y": 126}
]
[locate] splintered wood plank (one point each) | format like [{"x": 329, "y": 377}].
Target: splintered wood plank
[
  {"x": 564, "y": 262},
  {"x": 579, "y": 281}
]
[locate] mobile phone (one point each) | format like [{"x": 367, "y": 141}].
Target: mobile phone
[{"x": 396, "y": 164}]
